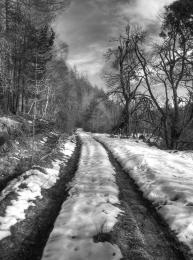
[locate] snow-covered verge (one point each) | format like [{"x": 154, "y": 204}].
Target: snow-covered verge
[
  {"x": 22, "y": 193},
  {"x": 165, "y": 179},
  {"x": 89, "y": 210},
  {"x": 184, "y": 154},
  {"x": 19, "y": 158}
]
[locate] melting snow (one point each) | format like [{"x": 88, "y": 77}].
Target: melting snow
[
  {"x": 89, "y": 210},
  {"x": 28, "y": 188},
  {"x": 165, "y": 179}
]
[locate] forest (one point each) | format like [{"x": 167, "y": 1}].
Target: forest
[
  {"x": 148, "y": 81},
  {"x": 34, "y": 78}
]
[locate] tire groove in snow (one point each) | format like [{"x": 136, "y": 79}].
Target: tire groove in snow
[
  {"x": 28, "y": 237},
  {"x": 140, "y": 233},
  {"x": 92, "y": 208}
]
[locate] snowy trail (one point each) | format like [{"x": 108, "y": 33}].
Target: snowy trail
[
  {"x": 90, "y": 210},
  {"x": 105, "y": 216}
]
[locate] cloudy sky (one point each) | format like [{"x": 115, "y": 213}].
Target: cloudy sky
[{"x": 87, "y": 26}]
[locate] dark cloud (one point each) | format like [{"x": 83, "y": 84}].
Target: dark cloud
[{"x": 88, "y": 25}]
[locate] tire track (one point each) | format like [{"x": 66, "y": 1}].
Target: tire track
[
  {"x": 89, "y": 210},
  {"x": 29, "y": 236},
  {"x": 141, "y": 233}
]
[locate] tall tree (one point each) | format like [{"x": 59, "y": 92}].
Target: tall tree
[
  {"x": 125, "y": 78},
  {"x": 168, "y": 68}
]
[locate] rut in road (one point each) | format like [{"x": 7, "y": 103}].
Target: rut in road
[
  {"x": 29, "y": 235},
  {"x": 140, "y": 232},
  {"x": 105, "y": 217}
]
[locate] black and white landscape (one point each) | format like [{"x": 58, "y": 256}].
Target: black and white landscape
[{"x": 96, "y": 130}]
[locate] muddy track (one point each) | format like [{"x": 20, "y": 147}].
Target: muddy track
[
  {"x": 30, "y": 236},
  {"x": 25, "y": 164},
  {"x": 141, "y": 233}
]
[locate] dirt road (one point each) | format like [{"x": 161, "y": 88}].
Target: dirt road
[
  {"x": 106, "y": 217},
  {"x": 98, "y": 215}
]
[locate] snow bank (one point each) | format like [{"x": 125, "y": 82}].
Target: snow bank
[
  {"x": 184, "y": 154},
  {"x": 9, "y": 123},
  {"x": 165, "y": 179},
  {"x": 28, "y": 187},
  {"x": 89, "y": 210}
]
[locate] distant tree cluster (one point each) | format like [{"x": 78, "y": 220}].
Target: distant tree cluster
[
  {"x": 74, "y": 102},
  {"x": 154, "y": 82}
]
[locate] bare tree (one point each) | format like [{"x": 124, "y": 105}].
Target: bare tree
[
  {"x": 167, "y": 69},
  {"x": 124, "y": 80}
]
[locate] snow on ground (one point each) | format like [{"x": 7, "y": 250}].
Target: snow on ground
[
  {"x": 165, "y": 179},
  {"x": 184, "y": 154},
  {"x": 22, "y": 151},
  {"x": 28, "y": 188},
  {"x": 10, "y": 123},
  {"x": 89, "y": 210}
]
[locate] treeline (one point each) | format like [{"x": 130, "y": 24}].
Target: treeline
[
  {"x": 34, "y": 77},
  {"x": 75, "y": 103},
  {"x": 152, "y": 78},
  {"x": 26, "y": 40}
]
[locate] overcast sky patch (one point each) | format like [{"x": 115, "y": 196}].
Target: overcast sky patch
[{"x": 87, "y": 26}]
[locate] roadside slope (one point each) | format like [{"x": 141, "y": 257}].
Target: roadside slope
[{"x": 30, "y": 203}]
